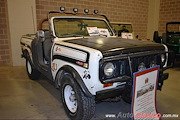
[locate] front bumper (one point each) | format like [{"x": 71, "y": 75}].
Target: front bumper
[
  {"x": 119, "y": 90},
  {"x": 101, "y": 95}
]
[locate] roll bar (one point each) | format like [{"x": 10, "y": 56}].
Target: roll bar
[
  {"x": 75, "y": 12},
  {"x": 86, "y": 11}
]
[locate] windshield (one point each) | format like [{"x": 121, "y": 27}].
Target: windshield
[
  {"x": 175, "y": 28},
  {"x": 74, "y": 27},
  {"x": 119, "y": 28}
]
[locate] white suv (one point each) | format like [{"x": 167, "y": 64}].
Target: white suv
[{"x": 81, "y": 55}]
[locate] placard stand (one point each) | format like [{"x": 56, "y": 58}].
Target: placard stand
[{"x": 144, "y": 95}]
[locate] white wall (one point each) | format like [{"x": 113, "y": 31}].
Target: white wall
[{"x": 22, "y": 20}]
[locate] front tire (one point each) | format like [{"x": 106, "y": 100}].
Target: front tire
[
  {"x": 76, "y": 104},
  {"x": 33, "y": 74}
]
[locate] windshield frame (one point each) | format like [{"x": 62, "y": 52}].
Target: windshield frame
[
  {"x": 169, "y": 24},
  {"x": 76, "y": 17}
]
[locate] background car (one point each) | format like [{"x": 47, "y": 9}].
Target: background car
[{"x": 171, "y": 38}]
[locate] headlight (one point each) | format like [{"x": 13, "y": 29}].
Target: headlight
[
  {"x": 162, "y": 58},
  {"x": 109, "y": 69}
]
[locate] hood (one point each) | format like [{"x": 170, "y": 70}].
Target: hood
[{"x": 113, "y": 46}]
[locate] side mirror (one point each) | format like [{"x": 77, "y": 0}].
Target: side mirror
[
  {"x": 137, "y": 36},
  {"x": 41, "y": 35},
  {"x": 156, "y": 37}
]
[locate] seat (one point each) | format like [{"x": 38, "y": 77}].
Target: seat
[{"x": 47, "y": 44}]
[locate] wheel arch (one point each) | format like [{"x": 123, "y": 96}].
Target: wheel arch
[
  {"x": 27, "y": 56},
  {"x": 75, "y": 75}
]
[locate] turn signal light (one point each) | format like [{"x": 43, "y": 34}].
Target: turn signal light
[{"x": 107, "y": 85}]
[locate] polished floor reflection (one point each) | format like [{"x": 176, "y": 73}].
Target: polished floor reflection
[{"x": 22, "y": 98}]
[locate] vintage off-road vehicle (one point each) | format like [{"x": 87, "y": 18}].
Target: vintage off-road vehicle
[
  {"x": 81, "y": 55},
  {"x": 171, "y": 38}
]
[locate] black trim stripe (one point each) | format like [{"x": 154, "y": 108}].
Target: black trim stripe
[
  {"x": 25, "y": 45},
  {"x": 87, "y": 59},
  {"x": 71, "y": 60}
]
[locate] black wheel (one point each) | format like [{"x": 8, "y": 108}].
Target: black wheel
[
  {"x": 32, "y": 72},
  {"x": 76, "y": 104}
]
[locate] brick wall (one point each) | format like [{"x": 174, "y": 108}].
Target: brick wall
[
  {"x": 169, "y": 12},
  {"x": 5, "y": 55},
  {"x": 134, "y": 11}
]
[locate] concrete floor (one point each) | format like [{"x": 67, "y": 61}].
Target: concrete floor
[{"x": 22, "y": 98}]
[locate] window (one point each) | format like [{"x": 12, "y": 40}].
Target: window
[{"x": 73, "y": 27}]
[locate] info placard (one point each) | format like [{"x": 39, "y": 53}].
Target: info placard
[{"x": 144, "y": 94}]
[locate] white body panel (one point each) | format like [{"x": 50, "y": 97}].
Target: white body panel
[
  {"x": 26, "y": 44},
  {"x": 93, "y": 83},
  {"x": 69, "y": 52}
]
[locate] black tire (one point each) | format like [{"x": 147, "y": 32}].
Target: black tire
[
  {"x": 84, "y": 107},
  {"x": 33, "y": 74}
]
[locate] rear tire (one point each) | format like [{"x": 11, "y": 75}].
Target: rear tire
[
  {"x": 32, "y": 72},
  {"x": 76, "y": 104}
]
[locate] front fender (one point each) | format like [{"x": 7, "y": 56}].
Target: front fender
[{"x": 76, "y": 77}]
